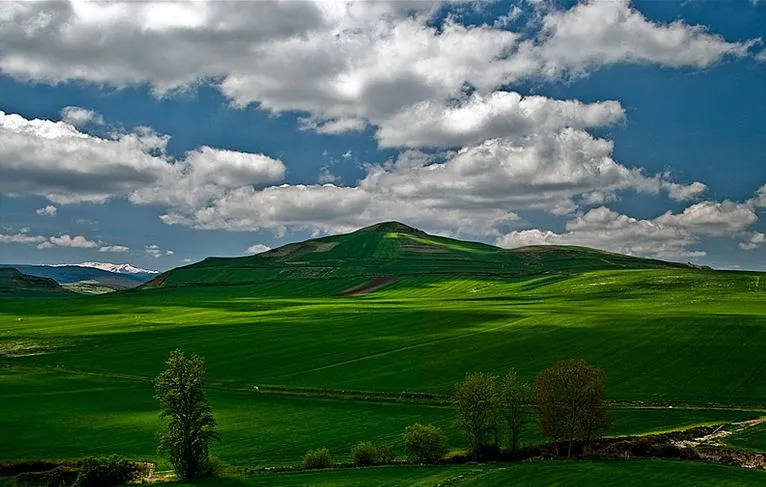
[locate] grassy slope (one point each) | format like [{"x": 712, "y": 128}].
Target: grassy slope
[
  {"x": 659, "y": 334},
  {"x": 627, "y": 473},
  {"x": 18, "y": 285},
  {"x": 393, "y": 249}
]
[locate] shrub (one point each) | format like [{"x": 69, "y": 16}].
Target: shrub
[
  {"x": 105, "y": 472},
  {"x": 319, "y": 458},
  {"x": 386, "y": 454},
  {"x": 57, "y": 477},
  {"x": 214, "y": 467},
  {"x": 424, "y": 443},
  {"x": 364, "y": 454}
]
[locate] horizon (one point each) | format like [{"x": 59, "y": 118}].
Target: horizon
[{"x": 649, "y": 139}]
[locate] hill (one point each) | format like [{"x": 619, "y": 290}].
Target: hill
[
  {"x": 15, "y": 283},
  {"x": 71, "y": 274},
  {"x": 386, "y": 251}
]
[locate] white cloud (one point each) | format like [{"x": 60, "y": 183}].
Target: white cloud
[
  {"x": 667, "y": 236},
  {"x": 49, "y": 210},
  {"x": 753, "y": 241},
  {"x": 56, "y": 160},
  {"x": 154, "y": 251},
  {"x": 258, "y": 249},
  {"x": 682, "y": 192},
  {"x": 114, "y": 248},
  {"x": 597, "y": 33},
  {"x": 77, "y": 241},
  {"x": 350, "y": 62},
  {"x": 78, "y": 116},
  {"x": 21, "y": 238},
  {"x": 500, "y": 114}
]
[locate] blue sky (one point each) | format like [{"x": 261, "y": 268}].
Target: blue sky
[{"x": 160, "y": 134}]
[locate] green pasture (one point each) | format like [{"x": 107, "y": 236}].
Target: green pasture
[
  {"x": 49, "y": 414},
  {"x": 627, "y": 473},
  {"x": 661, "y": 335}
]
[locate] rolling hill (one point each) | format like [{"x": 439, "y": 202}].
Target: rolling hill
[
  {"x": 71, "y": 274},
  {"x": 17, "y": 284},
  {"x": 391, "y": 250}
]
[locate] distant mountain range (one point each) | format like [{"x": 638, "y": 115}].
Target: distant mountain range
[
  {"x": 107, "y": 266},
  {"x": 113, "y": 276}
]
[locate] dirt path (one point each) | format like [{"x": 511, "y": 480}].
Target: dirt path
[
  {"x": 369, "y": 286},
  {"x": 714, "y": 438}
]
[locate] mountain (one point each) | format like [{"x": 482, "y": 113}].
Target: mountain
[
  {"x": 15, "y": 283},
  {"x": 109, "y": 267},
  {"x": 389, "y": 250},
  {"x": 69, "y": 274}
]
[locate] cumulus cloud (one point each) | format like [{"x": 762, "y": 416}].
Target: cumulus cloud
[
  {"x": 476, "y": 190},
  {"x": 21, "y": 238},
  {"x": 154, "y": 251},
  {"x": 349, "y": 61},
  {"x": 500, "y": 114},
  {"x": 78, "y": 116},
  {"x": 671, "y": 235},
  {"x": 58, "y": 161},
  {"x": 258, "y": 249},
  {"x": 77, "y": 241},
  {"x": 49, "y": 210},
  {"x": 114, "y": 248}
]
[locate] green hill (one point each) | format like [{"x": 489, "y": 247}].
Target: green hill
[
  {"x": 392, "y": 250},
  {"x": 14, "y": 283}
]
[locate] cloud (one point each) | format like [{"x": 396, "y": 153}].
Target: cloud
[
  {"x": 78, "y": 117},
  {"x": 154, "y": 251},
  {"x": 753, "y": 241},
  {"x": 49, "y": 210},
  {"x": 501, "y": 114},
  {"x": 21, "y": 238},
  {"x": 77, "y": 241},
  {"x": 114, "y": 248},
  {"x": 258, "y": 249},
  {"x": 477, "y": 190},
  {"x": 58, "y": 161},
  {"x": 667, "y": 236},
  {"x": 350, "y": 62}
]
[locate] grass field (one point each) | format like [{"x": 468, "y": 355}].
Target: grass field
[
  {"x": 627, "y": 473},
  {"x": 76, "y": 371}
]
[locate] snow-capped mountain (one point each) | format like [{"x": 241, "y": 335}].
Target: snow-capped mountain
[
  {"x": 109, "y": 267},
  {"x": 118, "y": 268}
]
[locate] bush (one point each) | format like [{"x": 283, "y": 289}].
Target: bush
[
  {"x": 105, "y": 472},
  {"x": 57, "y": 477},
  {"x": 424, "y": 443},
  {"x": 386, "y": 454},
  {"x": 214, "y": 467},
  {"x": 319, "y": 458},
  {"x": 364, "y": 454}
]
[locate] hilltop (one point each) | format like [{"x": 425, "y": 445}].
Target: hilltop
[
  {"x": 15, "y": 283},
  {"x": 391, "y": 249}
]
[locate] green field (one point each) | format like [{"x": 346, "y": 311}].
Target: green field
[
  {"x": 76, "y": 371},
  {"x": 628, "y": 473}
]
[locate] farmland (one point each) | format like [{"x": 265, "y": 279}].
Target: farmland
[{"x": 680, "y": 346}]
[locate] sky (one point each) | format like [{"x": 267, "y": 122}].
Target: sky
[{"x": 160, "y": 133}]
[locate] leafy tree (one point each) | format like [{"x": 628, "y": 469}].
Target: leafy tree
[
  {"x": 364, "y": 454},
  {"x": 476, "y": 399},
  {"x": 319, "y": 458},
  {"x": 570, "y": 398},
  {"x": 105, "y": 472},
  {"x": 515, "y": 396},
  {"x": 191, "y": 426},
  {"x": 424, "y": 443}
]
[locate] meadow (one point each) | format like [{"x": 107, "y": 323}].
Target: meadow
[{"x": 680, "y": 346}]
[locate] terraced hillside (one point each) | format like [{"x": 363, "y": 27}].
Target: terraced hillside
[
  {"x": 331, "y": 363},
  {"x": 392, "y": 250}
]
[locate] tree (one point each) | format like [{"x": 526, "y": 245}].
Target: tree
[
  {"x": 476, "y": 400},
  {"x": 515, "y": 397},
  {"x": 424, "y": 443},
  {"x": 570, "y": 398},
  {"x": 191, "y": 426}
]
